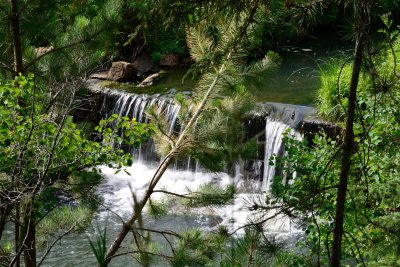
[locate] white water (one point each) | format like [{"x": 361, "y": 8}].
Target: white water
[
  {"x": 274, "y": 131},
  {"x": 118, "y": 188},
  {"x": 136, "y": 105},
  {"x": 117, "y": 192}
]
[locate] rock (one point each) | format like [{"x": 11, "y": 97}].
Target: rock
[
  {"x": 99, "y": 75},
  {"x": 169, "y": 60},
  {"x": 121, "y": 71},
  {"x": 143, "y": 63},
  {"x": 149, "y": 80}
]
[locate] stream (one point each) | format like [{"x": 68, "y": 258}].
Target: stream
[{"x": 295, "y": 81}]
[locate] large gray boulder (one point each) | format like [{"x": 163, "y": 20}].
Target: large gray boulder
[{"x": 122, "y": 71}]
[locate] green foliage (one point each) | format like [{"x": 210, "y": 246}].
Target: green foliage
[
  {"x": 217, "y": 140},
  {"x": 332, "y": 95},
  {"x": 209, "y": 195},
  {"x": 67, "y": 206},
  {"x": 371, "y": 211},
  {"x": 22, "y": 123},
  {"x": 379, "y": 75},
  {"x": 43, "y": 153},
  {"x": 197, "y": 248},
  {"x": 158, "y": 208},
  {"x": 168, "y": 41},
  {"x": 64, "y": 218},
  {"x": 69, "y": 30},
  {"x": 99, "y": 247},
  {"x": 5, "y": 254}
]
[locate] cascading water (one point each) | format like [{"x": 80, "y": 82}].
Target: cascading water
[
  {"x": 117, "y": 189},
  {"x": 274, "y": 131},
  {"x": 136, "y": 106}
]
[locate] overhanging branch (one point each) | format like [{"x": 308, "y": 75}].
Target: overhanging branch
[{"x": 37, "y": 58}]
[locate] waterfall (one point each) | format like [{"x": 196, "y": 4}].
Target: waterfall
[
  {"x": 274, "y": 145},
  {"x": 135, "y": 106}
]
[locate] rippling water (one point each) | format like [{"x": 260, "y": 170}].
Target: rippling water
[{"x": 116, "y": 190}]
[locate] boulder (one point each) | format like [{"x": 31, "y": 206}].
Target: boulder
[
  {"x": 169, "y": 60},
  {"x": 149, "y": 80},
  {"x": 143, "y": 63},
  {"x": 122, "y": 71}
]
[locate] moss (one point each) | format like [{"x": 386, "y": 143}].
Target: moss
[{"x": 171, "y": 79}]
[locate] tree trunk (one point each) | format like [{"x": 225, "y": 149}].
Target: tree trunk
[
  {"x": 29, "y": 237},
  {"x": 128, "y": 225},
  {"x": 348, "y": 146},
  {"x": 162, "y": 168},
  {"x": 17, "y": 44},
  {"x": 4, "y": 213},
  {"x": 17, "y": 234}
]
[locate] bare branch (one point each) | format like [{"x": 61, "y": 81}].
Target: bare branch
[{"x": 7, "y": 67}]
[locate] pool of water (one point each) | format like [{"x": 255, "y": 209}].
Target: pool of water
[
  {"x": 116, "y": 191},
  {"x": 294, "y": 81}
]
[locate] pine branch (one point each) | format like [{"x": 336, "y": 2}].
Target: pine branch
[
  {"x": 174, "y": 194},
  {"x": 86, "y": 40},
  {"x": 7, "y": 67}
]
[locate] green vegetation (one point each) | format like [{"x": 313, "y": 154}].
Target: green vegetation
[
  {"x": 40, "y": 152},
  {"x": 332, "y": 98},
  {"x": 343, "y": 190},
  {"x": 371, "y": 209}
]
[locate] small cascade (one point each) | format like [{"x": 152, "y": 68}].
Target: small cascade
[
  {"x": 274, "y": 145},
  {"x": 135, "y": 106}
]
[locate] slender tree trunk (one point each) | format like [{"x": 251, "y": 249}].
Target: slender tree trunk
[
  {"x": 348, "y": 147},
  {"x": 4, "y": 213},
  {"x": 128, "y": 225},
  {"x": 3, "y": 217},
  {"x": 29, "y": 237},
  {"x": 17, "y": 234},
  {"x": 161, "y": 169},
  {"x": 17, "y": 43},
  {"x": 18, "y": 68}
]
